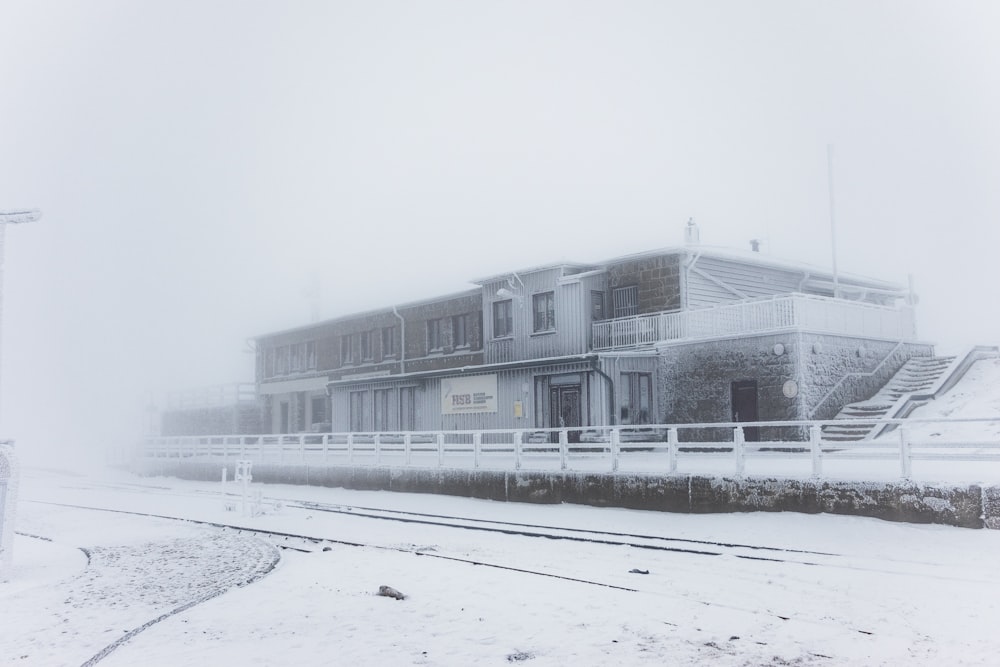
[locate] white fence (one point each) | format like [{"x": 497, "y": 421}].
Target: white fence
[
  {"x": 800, "y": 311},
  {"x": 761, "y": 448}
]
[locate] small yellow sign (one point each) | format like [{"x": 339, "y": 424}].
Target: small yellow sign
[{"x": 518, "y": 409}]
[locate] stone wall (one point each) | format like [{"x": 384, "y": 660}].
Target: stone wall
[
  {"x": 969, "y": 506},
  {"x": 658, "y": 280},
  {"x": 867, "y": 364},
  {"x": 695, "y": 380}
]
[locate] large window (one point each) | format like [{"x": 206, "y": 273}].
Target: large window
[
  {"x": 635, "y": 398},
  {"x": 544, "y": 308},
  {"x": 407, "y": 408},
  {"x": 359, "y": 411},
  {"x": 383, "y": 401},
  {"x": 317, "y": 412},
  {"x": 503, "y": 319},
  {"x": 626, "y": 301},
  {"x": 390, "y": 341},
  {"x": 434, "y": 340},
  {"x": 461, "y": 328}
]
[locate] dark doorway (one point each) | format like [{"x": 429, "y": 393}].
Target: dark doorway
[
  {"x": 744, "y": 402},
  {"x": 564, "y": 410}
]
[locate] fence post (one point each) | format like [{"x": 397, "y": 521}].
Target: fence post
[
  {"x": 326, "y": 448},
  {"x": 302, "y": 448},
  {"x": 905, "y": 462},
  {"x": 350, "y": 448},
  {"x": 440, "y": 444},
  {"x": 477, "y": 444},
  {"x": 616, "y": 443},
  {"x": 816, "y": 448},
  {"x": 563, "y": 442},
  {"x": 378, "y": 448},
  {"x": 738, "y": 452},
  {"x": 518, "y": 435},
  {"x": 672, "y": 448},
  {"x": 407, "y": 441}
]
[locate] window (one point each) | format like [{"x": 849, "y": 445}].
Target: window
[
  {"x": 311, "y": 355},
  {"x": 281, "y": 360},
  {"x": 298, "y": 353},
  {"x": 503, "y": 319},
  {"x": 381, "y": 409},
  {"x": 635, "y": 398},
  {"x": 390, "y": 341},
  {"x": 366, "y": 345},
  {"x": 461, "y": 326},
  {"x": 626, "y": 301},
  {"x": 269, "y": 362},
  {"x": 318, "y": 411},
  {"x": 407, "y": 408},
  {"x": 596, "y": 306},
  {"x": 359, "y": 411},
  {"x": 434, "y": 335},
  {"x": 544, "y": 307},
  {"x": 346, "y": 349}
]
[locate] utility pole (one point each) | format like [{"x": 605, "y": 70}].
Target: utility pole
[
  {"x": 9, "y": 469},
  {"x": 833, "y": 225}
]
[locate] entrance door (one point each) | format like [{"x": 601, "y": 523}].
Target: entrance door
[
  {"x": 564, "y": 409},
  {"x": 744, "y": 402}
]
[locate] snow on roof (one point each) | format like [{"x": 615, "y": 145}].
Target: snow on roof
[
  {"x": 576, "y": 266},
  {"x": 759, "y": 259}
]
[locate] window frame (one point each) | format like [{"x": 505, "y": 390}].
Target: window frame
[
  {"x": 631, "y": 411},
  {"x": 346, "y": 349},
  {"x": 503, "y": 311},
  {"x": 390, "y": 350},
  {"x": 543, "y": 320},
  {"x": 461, "y": 324},
  {"x": 625, "y": 307},
  {"x": 435, "y": 338}
]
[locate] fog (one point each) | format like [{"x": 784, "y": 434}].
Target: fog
[{"x": 200, "y": 164}]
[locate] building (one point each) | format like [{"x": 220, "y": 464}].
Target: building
[{"x": 679, "y": 335}]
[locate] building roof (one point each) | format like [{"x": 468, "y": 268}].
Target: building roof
[{"x": 370, "y": 313}]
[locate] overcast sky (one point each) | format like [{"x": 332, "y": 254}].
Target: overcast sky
[{"x": 198, "y": 163}]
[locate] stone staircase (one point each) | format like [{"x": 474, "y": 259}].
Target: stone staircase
[{"x": 918, "y": 375}]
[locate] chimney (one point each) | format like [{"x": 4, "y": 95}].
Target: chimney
[{"x": 691, "y": 233}]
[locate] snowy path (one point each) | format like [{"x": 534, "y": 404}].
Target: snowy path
[{"x": 878, "y": 594}]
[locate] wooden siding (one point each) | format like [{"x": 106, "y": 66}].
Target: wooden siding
[
  {"x": 572, "y": 314},
  {"x": 711, "y": 281}
]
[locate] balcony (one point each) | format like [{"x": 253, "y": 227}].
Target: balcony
[{"x": 757, "y": 316}]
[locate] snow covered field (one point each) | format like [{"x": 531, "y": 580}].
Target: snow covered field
[{"x": 829, "y": 590}]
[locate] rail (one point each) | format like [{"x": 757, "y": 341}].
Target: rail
[
  {"x": 789, "y": 311},
  {"x": 792, "y": 448}
]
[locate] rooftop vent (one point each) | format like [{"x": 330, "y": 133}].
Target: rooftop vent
[{"x": 691, "y": 234}]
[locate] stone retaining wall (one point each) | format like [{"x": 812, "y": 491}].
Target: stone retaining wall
[{"x": 968, "y": 506}]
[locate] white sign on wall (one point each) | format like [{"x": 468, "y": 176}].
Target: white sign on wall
[{"x": 461, "y": 395}]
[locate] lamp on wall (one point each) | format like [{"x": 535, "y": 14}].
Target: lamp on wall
[{"x": 512, "y": 290}]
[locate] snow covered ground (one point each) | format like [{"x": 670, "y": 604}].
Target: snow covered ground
[
  {"x": 831, "y": 591},
  {"x": 95, "y": 582}
]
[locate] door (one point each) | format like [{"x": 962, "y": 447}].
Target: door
[
  {"x": 744, "y": 402},
  {"x": 564, "y": 410}
]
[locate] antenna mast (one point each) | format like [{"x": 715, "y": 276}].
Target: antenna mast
[{"x": 833, "y": 224}]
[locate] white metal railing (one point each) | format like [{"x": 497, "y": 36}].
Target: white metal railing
[
  {"x": 799, "y": 311},
  {"x": 728, "y": 448}
]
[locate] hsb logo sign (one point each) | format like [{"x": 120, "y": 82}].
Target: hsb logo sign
[{"x": 461, "y": 399}]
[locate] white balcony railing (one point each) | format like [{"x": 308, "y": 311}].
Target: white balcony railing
[{"x": 792, "y": 311}]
